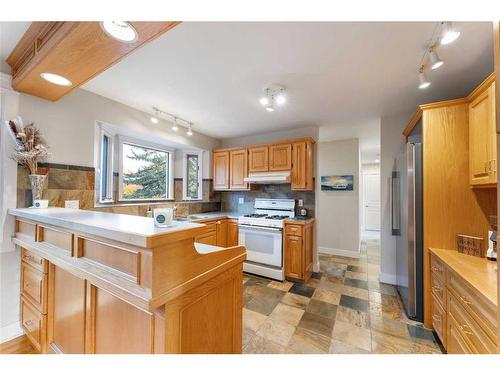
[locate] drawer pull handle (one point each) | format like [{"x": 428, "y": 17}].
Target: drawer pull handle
[
  {"x": 436, "y": 269},
  {"x": 437, "y": 318},
  {"x": 29, "y": 323},
  {"x": 465, "y": 329},
  {"x": 29, "y": 258},
  {"x": 466, "y": 301},
  {"x": 27, "y": 285},
  {"x": 436, "y": 289}
]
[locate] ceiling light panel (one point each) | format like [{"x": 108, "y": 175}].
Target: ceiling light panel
[{"x": 120, "y": 30}]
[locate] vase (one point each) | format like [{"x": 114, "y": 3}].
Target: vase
[{"x": 37, "y": 182}]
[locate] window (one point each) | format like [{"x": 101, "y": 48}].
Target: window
[
  {"x": 106, "y": 148},
  {"x": 192, "y": 177},
  {"x": 145, "y": 171}
]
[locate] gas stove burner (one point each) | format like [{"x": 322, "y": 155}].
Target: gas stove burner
[
  {"x": 256, "y": 215},
  {"x": 277, "y": 217}
]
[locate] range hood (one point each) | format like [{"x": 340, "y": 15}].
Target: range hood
[{"x": 268, "y": 178}]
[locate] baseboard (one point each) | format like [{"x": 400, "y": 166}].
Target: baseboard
[
  {"x": 10, "y": 332},
  {"x": 340, "y": 252},
  {"x": 388, "y": 278},
  {"x": 316, "y": 266}
]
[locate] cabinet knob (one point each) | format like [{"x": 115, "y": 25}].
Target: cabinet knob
[
  {"x": 465, "y": 329},
  {"x": 437, "y": 318},
  {"x": 466, "y": 301},
  {"x": 28, "y": 323}
]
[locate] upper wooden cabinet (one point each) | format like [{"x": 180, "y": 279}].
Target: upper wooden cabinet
[
  {"x": 302, "y": 165},
  {"x": 77, "y": 51},
  {"x": 296, "y": 156},
  {"x": 482, "y": 137},
  {"x": 258, "y": 159},
  {"x": 280, "y": 157},
  {"x": 221, "y": 170},
  {"x": 238, "y": 169}
]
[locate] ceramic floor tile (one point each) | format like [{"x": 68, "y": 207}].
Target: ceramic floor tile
[
  {"x": 287, "y": 314},
  {"x": 316, "y": 275},
  {"x": 253, "y": 320},
  {"x": 304, "y": 341},
  {"x": 321, "y": 308},
  {"x": 302, "y": 289},
  {"x": 356, "y": 275},
  {"x": 390, "y": 327},
  {"x": 326, "y": 296},
  {"x": 276, "y": 331},
  {"x": 354, "y": 303},
  {"x": 295, "y": 300},
  {"x": 260, "y": 345},
  {"x": 283, "y": 286},
  {"x": 355, "y": 317},
  {"x": 339, "y": 347},
  {"x": 317, "y": 324},
  {"x": 352, "y": 335},
  {"x": 361, "y": 284}
]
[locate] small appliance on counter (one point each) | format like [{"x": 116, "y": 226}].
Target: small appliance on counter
[
  {"x": 491, "y": 254},
  {"x": 303, "y": 212},
  {"x": 41, "y": 203}
]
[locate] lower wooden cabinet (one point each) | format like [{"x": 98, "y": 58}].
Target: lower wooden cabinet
[
  {"x": 298, "y": 254},
  {"x": 456, "y": 344},
  {"x": 34, "y": 325},
  {"x": 232, "y": 233},
  {"x": 221, "y": 229}
]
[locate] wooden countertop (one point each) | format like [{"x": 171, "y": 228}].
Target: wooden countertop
[{"x": 479, "y": 273}]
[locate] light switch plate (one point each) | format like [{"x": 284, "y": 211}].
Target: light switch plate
[
  {"x": 301, "y": 203},
  {"x": 75, "y": 204},
  {"x": 241, "y": 200}
]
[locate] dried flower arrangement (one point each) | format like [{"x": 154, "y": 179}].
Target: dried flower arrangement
[{"x": 31, "y": 147}]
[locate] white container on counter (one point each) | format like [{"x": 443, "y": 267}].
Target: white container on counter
[{"x": 163, "y": 217}]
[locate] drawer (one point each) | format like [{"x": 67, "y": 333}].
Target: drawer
[
  {"x": 26, "y": 229},
  {"x": 59, "y": 239},
  {"x": 438, "y": 289},
  {"x": 471, "y": 331},
  {"x": 439, "y": 319},
  {"x": 456, "y": 342},
  {"x": 34, "y": 286},
  {"x": 480, "y": 310},
  {"x": 438, "y": 267},
  {"x": 34, "y": 260},
  {"x": 34, "y": 324},
  {"x": 293, "y": 230}
]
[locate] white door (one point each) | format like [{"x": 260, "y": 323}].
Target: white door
[{"x": 371, "y": 201}]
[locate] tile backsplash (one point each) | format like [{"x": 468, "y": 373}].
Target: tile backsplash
[
  {"x": 78, "y": 183},
  {"x": 230, "y": 200}
]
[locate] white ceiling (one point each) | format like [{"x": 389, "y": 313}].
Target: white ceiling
[
  {"x": 338, "y": 75},
  {"x": 10, "y": 33}
]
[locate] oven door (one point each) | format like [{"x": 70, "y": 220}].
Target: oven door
[{"x": 264, "y": 245}]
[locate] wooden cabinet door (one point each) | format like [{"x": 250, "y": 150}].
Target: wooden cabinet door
[
  {"x": 238, "y": 169},
  {"x": 293, "y": 257},
  {"x": 232, "y": 233},
  {"x": 221, "y": 230},
  {"x": 482, "y": 136},
  {"x": 221, "y": 170},
  {"x": 258, "y": 159},
  {"x": 66, "y": 314},
  {"x": 302, "y": 166},
  {"x": 439, "y": 320},
  {"x": 280, "y": 157}
]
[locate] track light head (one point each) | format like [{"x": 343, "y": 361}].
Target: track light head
[
  {"x": 436, "y": 62},
  {"x": 423, "y": 81},
  {"x": 154, "y": 119},
  {"x": 450, "y": 34},
  {"x": 175, "y": 127},
  {"x": 189, "y": 131}
]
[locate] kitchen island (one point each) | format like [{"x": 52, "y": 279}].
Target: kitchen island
[{"x": 94, "y": 282}]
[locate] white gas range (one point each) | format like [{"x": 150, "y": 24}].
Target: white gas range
[{"x": 262, "y": 235}]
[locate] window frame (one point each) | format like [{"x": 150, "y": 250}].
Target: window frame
[
  {"x": 152, "y": 146},
  {"x": 103, "y": 130},
  {"x": 185, "y": 154}
]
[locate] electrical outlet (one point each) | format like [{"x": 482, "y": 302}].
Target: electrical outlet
[
  {"x": 74, "y": 204},
  {"x": 301, "y": 203},
  {"x": 241, "y": 200}
]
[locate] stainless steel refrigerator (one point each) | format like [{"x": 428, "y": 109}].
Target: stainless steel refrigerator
[{"x": 409, "y": 249}]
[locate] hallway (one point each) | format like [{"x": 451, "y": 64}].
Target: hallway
[{"x": 342, "y": 309}]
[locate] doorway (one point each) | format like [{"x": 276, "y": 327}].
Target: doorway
[{"x": 371, "y": 202}]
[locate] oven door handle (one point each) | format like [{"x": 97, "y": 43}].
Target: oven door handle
[{"x": 257, "y": 228}]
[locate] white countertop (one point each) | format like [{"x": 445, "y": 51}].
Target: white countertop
[{"x": 130, "y": 229}]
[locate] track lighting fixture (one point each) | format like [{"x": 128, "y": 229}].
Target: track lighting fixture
[
  {"x": 424, "y": 83},
  {"x": 449, "y": 33},
  {"x": 273, "y": 95},
  {"x": 175, "y": 121},
  {"x": 436, "y": 62}
]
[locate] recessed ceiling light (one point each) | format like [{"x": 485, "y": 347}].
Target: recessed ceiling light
[
  {"x": 449, "y": 33},
  {"x": 280, "y": 98},
  {"x": 56, "y": 79},
  {"x": 264, "y": 101},
  {"x": 120, "y": 30}
]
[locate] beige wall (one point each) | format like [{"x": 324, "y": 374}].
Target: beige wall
[
  {"x": 338, "y": 211},
  {"x": 68, "y": 125},
  {"x": 310, "y": 131}
]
